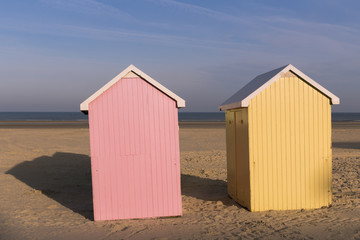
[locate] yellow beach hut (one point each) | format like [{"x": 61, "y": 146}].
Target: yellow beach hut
[{"x": 278, "y": 140}]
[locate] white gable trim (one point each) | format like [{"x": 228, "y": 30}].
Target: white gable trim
[
  {"x": 180, "y": 103},
  {"x": 245, "y": 102},
  {"x": 334, "y": 99}
]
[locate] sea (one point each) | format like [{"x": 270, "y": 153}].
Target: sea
[{"x": 183, "y": 116}]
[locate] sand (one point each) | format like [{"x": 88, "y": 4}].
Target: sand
[{"x": 45, "y": 186}]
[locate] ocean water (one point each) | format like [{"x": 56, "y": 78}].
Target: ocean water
[
  {"x": 43, "y": 116},
  {"x": 183, "y": 116},
  {"x": 78, "y": 116},
  {"x": 345, "y": 117}
]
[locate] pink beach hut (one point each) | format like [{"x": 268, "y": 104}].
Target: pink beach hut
[{"x": 134, "y": 142}]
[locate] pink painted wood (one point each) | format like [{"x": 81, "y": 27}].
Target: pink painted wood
[{"x": 135, "y": 158}]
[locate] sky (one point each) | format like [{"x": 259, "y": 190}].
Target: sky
[{"x": 56, "y": 53}]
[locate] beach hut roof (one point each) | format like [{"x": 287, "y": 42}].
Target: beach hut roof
[
  {"x": 180, "y": 103},
  {"x": 261, "y": 82}
]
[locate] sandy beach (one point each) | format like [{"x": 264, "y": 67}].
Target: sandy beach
[{"x": 45, "y": 185}]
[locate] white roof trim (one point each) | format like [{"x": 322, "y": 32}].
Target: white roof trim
[
  {"x": 180, "y": 103},
  {"x": 244, "y": 102}
]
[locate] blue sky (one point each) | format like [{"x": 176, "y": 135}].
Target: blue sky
[{"x": 54, "y": 54}]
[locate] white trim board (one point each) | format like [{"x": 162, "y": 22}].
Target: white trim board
[
  {"x": 180, "y": 103},
  {"x": 260, "y": 83}
]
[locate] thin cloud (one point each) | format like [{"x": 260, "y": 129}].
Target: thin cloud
[
  {"x": 89, "y": 7},
  {"x": 206, "y": 11},
  {"x": 118, "y": 35},
  {"x": 95, "y": 8},
  {"x": 320, "y": 27},
  {"x": 336, "y": 35}
]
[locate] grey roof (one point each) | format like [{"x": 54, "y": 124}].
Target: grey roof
[{"x": 259, "y": 83}]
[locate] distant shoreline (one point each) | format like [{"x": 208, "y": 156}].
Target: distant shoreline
[
  {"x": 182, "y": 124},
  {"x": 184, "y": 117}
]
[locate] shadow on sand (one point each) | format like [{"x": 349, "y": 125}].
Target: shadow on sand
[
  {"x": 66, "y": 178},
  {"x": 63, "y": 177},
  {"x": 205, "y": 189}
]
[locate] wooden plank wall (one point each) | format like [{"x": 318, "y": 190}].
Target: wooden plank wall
[
  {"x": 290, "y": 147},
  {"x": 237, "y": 148},
  {"x": 231, "y": 152},
  {"x": 134, "y": 152},
  {"x": 242, "y": 158}
]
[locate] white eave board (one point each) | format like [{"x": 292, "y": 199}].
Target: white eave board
[
  {"x": 180, "y": 103},
  {"x": 261, "y": 82}
]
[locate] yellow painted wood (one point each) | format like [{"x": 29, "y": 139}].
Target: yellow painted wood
[
  {"x": 289, "y": 134},
  {"x": 242, "y": 158},
  {"x": 272, "y": 137},
  {"x": 252, "y": 154},
  {"x": 237, "y": 142},
  {"x": 328, "y": 154},
  {"x": 231, "y": 152}
]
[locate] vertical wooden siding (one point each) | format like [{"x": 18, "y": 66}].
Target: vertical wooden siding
[
  {"x": 290, "y": 147},
  {"x": 231, "y": 152},
  {"x": 134, "y": 152},
  {"x": 242, "y": 158},
  {"x": 237, "y": 148}
]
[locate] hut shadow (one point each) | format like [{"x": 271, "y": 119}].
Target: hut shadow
[
  {"x": 63, "y": 177},
  {"x": 206, "y": 189},
  {"x": 346, "y": 145},
  {"x": 66, "y": 178}
]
